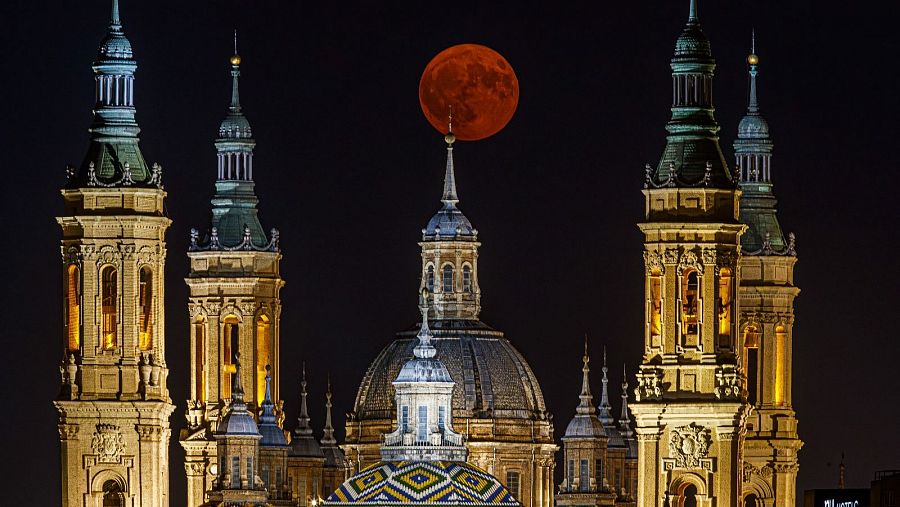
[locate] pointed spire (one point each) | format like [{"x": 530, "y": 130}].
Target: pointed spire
[
  {"x": 424, "y": 350},
  {"x": 235, "y": 74},
  {"x": 114, "y": 22},
  {"x": 753, "y": 60},
  {"x": 303, "y": 427},
  {"x": 237, "y": 387},
  {"x": 693, "y": 14},
  {"x": 625, "y": 418},
  {"x": 450, "y": 197},
  {"x": 605, "y": 408},
  {"x": 328, "y": 434},
  {"x": 586, "y": 406},
  {"x": 267, "y": 416}
]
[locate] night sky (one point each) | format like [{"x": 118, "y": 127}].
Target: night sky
[{"x": 350, "y": 171}]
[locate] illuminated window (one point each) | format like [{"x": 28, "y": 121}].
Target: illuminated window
[
  {"x": 429, "y": 279},
  {"x": 112, "y": 494},
  {"x": 725, "y": 308},
  {"x": 690, "y": 302},
  {"x": 263, "y": 355},
  {"x": 780, "y": 338},
  {"x": 655, "y": 303},
  {"x": 109, "y": 298},
  {"x": 145, "y": 321},
  {"x": 200, "y": 359},
  {"x": 422, "y": 424},
  {"x": 230, "y": 347},
  {"x": 73, "y": 308},
  {"x": 512, "y": 483},
  {"x": 585, "y": 477},
  {"x": 447, "y": 278},
  {"x": 751, "y": 361},
  {"x": 467, "y": 279}
]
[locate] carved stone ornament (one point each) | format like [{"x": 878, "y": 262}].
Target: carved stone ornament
[
  {"x": 728, "y": 383},
  {"x": 649, "y": 385},
  {"x": 145, "y": 255},
  {"x": 108, "y": 255},
  {"x": 108, "y": 443},
  {"x": 72, "y": 255},
  {"x": 670, "y": 256},
  {"x": 689, "y": 444},
  {"x": 653, "y": 261},
  {"x": 689, "y": 260},
  {"x": 749, "y": 470}
]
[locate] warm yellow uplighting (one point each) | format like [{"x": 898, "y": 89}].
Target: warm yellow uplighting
[
  {"x": 145, "y": 319},
  {"x": 236, "y": 60},
  {"x": 73, "y": 308},
  {"x": 109, "y": 302},
  {"x": 753, "y": 59},
  {"x": 725, "y": 308},
  {"x": 263, "y": 355},
  {"x": 780, "y": 337}
]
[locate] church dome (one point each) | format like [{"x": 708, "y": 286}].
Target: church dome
[
  {"x": 235, "y": 126},
  {"x": 584, "y": 427},
  {"x": 422, "y": 482},
  {"x": 449, "y": 222},
  {"x": 491, "y": 376},
  {"x": 116, "y": 46},
  {"x": 692, "y": 42},
  {"x": 753, "y": 127}
]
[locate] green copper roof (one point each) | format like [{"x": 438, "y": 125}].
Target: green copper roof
[
  {"x": 753, "y": 153},
  {"x": 692, "y": 156},
  {"x": 235, "y": 221},
  {"x": 114, "y": 157}
]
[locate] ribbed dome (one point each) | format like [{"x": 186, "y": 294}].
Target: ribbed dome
[
  {"x": 424, "y": 370},
  {"x": 692, "y": 42},
  {"x": 583, "y": 426},
  {"x": 423, "y": 483},
  {"x": 116, "y": 46},
  {"x": 235, "y": 126},
  {"x": 238, "y": 422},
  {"x": 491, "y": 375},
  {"x": 753, "y": 127},
  {"x": 449, "y": 222}
]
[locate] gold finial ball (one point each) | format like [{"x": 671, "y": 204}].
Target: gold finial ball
[
  {"x": 236, "y": 60},
  {"x": 450, "y": 138},
  {"x": 753, "y": 59}
]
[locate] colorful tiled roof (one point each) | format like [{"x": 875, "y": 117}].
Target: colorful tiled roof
[{"x": 419, "y": 482}]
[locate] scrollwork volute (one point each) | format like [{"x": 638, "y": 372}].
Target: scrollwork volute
[
  {"x": 670, "y": 256},
  {"x": 145, "y": 255},
  {"x": 106, "y": 254},
  {"x": 72, "y": 255}
]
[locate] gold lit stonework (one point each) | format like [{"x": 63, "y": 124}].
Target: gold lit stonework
[{"x": 235, "y": 60}]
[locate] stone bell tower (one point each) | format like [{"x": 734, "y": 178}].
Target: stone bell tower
[
  {"x": 114, "y": 406},
  {"x": 766, "y": 296},
  {"x": 235, "y": 303},
  {"x": 690, "y": 409}
]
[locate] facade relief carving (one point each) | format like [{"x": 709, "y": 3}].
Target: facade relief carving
[
  {"x": 689, "y": 444},
  {"x": 108, "y": 443}
]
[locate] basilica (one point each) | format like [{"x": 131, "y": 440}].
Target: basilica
[{"x": 449, "y": 412}]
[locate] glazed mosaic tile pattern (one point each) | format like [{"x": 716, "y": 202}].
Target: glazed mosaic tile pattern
[{"x": 434, "y": 482}]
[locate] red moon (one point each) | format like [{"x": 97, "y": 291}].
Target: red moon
[{"x": 477, "y": 83}]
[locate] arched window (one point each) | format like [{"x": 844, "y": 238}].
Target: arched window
[
  {"x": 109, "y": 303},
  {"x": 429, "y": 279},
  {"x": 73, "y": 308},
  {"x": 145, "y": 319},
  {"x": 230, "y": 347},
  {"x": 655, "y": 305},
  {"x": 467, "y": 279},
  {"x": 780, "y": 367},
  {"x": 263, "y": 355},
  {"x": 200, "y": 359},
  {"x": 751, "y": 361},
  {"x": 689, "y": 496},
  {"x": 690, "y": 302},
  {"x": 112, "y": 494},
  {"x": 725, "y": 308},
  {"x": 447, "y": 278},
  {"x": 750, "y": 500}
]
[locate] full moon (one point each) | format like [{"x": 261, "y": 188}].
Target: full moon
[{"x": 473, "y": 82}]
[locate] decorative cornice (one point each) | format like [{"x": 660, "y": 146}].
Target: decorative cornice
[{"x": 246, "y": 243}]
